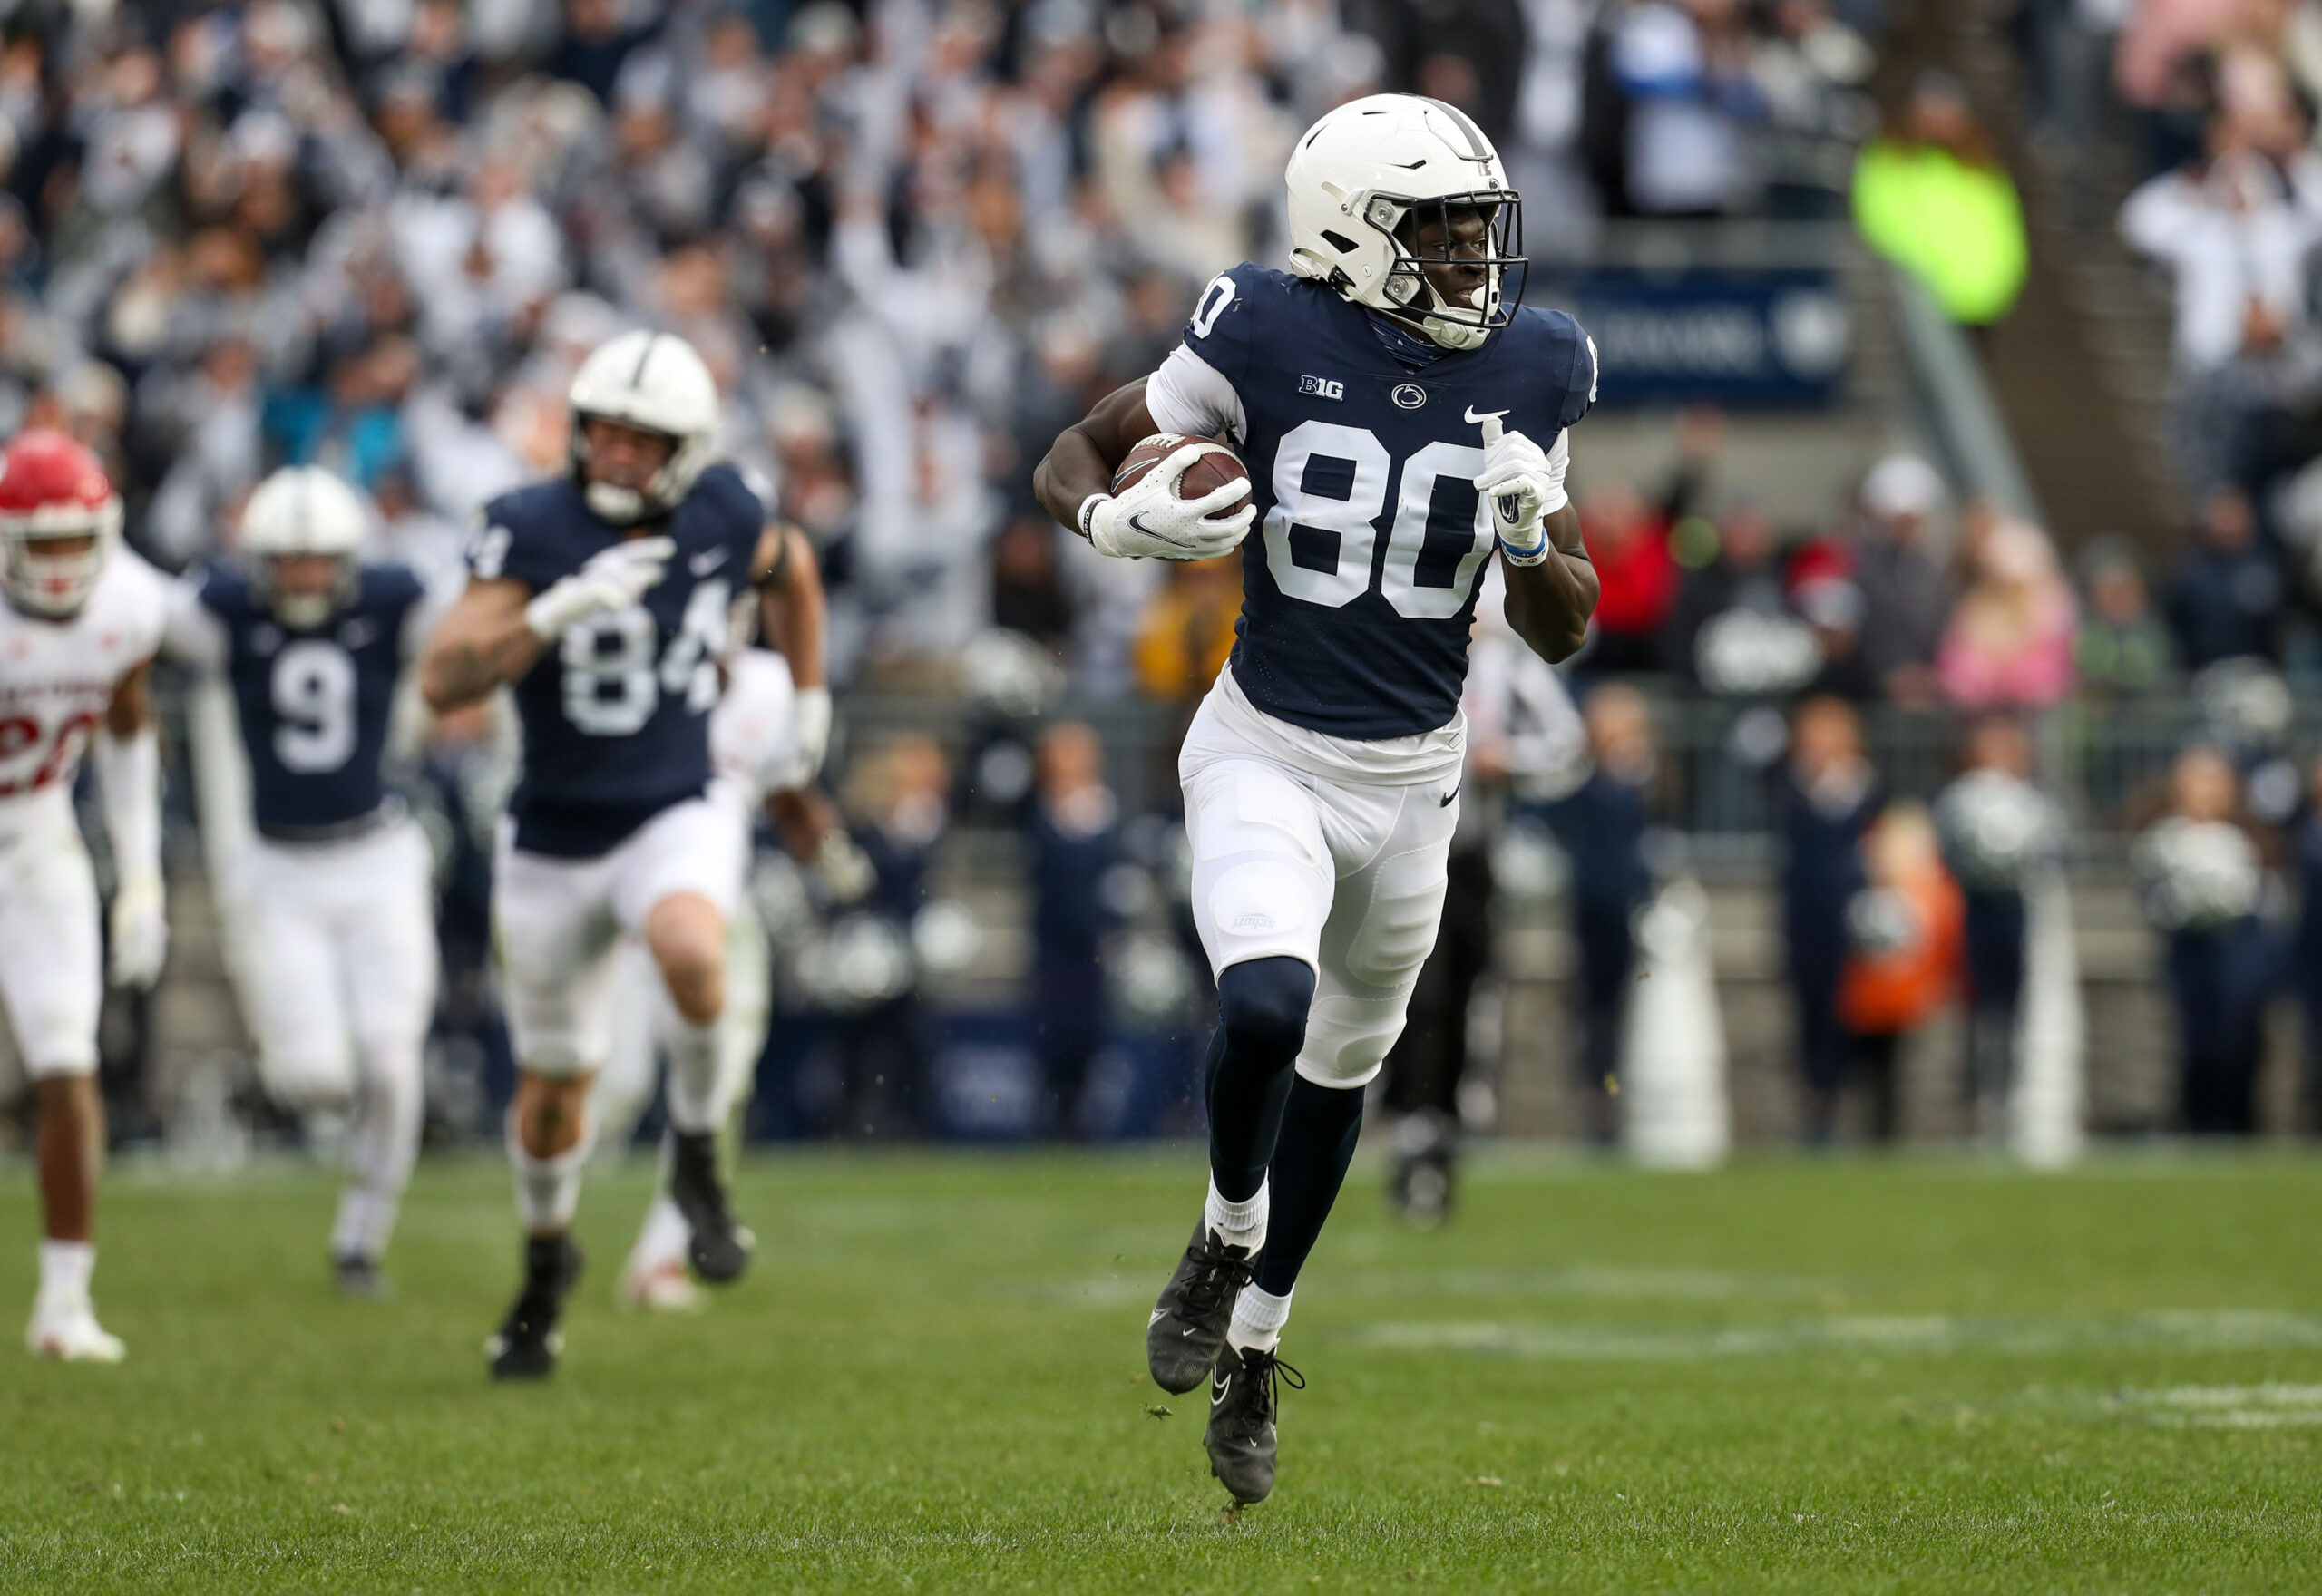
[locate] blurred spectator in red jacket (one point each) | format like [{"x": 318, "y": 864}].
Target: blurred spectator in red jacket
[
  {"x": 1629, "y": 543},
  {"x": 1628, "y": 538}
]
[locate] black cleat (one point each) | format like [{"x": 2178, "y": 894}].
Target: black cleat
[
  {"x": 1240, "y": 1438},
  {"x": 719, "y": 1250},
  {"x": 1188, "y": 1324},
  {"x": 528, "y": 1342},
  {"x": 359, "y": 1276}
]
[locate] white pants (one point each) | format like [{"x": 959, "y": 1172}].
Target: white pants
[
  {"x": 642, "y": 1014},
  {"x": 339, "y": 966},
  {"x": 1346, "y": 876},
  {"x": 557, "y": 923},
  {"x": 52, "y": 975}
]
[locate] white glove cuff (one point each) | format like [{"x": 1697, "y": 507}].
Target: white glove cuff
[
  {"x": 129, "y": 770},
  {"x": 1086, "y": 519}
]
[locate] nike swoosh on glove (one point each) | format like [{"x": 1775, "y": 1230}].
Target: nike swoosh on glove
[
  {"x": 614, "y": 579},
  {"x": 1525, "y": 486},
  {"x": 140, "y": 933},
  {"x": 1151, "y": 522}
]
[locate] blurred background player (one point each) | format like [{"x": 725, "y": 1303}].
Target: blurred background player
[
  {"x": 2203, "y": 878},
  {"x": 1321, "y": 775},
  {"x": 1902, "y": 956},
  {"x": 1998, "y": 831},
  {"x": 601, "y": 595},
  {"x": 1525, "y": 743},
  {"x": 1601, "y": 825},
  {"x": 754, "y": 748},
  {"x": 331, "y": 901},
  {"x": 1075, "y": 831},
  {"x": 1833, "y": 794},
  {"x": 77, "y": 635}
]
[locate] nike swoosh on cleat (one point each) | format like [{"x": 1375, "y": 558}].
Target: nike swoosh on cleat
[
  {"x": 1159, "y": 1315},
  {"x": 1477, "y": 418},
  {"x": 1218, "y": 1390}
]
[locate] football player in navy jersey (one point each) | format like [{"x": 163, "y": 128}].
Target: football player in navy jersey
[
  {"x": 601, "y": 597},
  {"x": 326, "y": 887},
  {"x": 1402, "y": 417}
]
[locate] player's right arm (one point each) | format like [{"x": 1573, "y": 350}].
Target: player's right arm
[
  {"x": 1080, "y": 465},
  {"x": 498, "y": 627},
  {"x": 483, "y": 641},
  {"x": 1191, "y": 394}
]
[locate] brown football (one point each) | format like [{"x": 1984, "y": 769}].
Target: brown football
[{"x": 1217, "y": 466}]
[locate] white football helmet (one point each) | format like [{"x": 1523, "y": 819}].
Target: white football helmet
[
  {"x": 304, "y": 510},
  {"x": 656, "y": 383},
  {"x": 1374, "y": 162}
]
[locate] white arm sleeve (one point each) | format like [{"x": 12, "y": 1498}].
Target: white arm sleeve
[
  {"x": 129, "y": 785},
  {"x": 189, "y": 633},
  {"x": 1190, "y": 395}
]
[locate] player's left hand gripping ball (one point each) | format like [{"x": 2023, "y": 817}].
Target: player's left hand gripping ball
[
  {"x": 1525, "y": 486},
  {"x": 140, "y": 933}
]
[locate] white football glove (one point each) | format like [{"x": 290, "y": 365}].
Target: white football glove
[
  {"x": 614, "y": 579},
  {"x": 847, "y": 871},
  {"x": 1150, "y": 522},
  {"x": 141, "y": 932},
  {"x": 1525, "y": 486},
  {"x": 810, "y": 735}
]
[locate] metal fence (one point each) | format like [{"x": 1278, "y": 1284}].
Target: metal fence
[{"x": 1723, "y": 759}]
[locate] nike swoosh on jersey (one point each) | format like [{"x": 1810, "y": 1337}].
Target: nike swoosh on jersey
[
  {"x": 1477, "y": 418},
  {"x": 1445, "y": 802},
  {"x": 702, "y": 564}
]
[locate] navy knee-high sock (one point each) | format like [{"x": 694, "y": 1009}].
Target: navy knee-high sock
[
  {"x": 1261, "y": 1024},
  {"x": 1320, "y": 1126}
]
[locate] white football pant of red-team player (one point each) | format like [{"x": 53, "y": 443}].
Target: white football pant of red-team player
[{"x": 82, "y": 619}]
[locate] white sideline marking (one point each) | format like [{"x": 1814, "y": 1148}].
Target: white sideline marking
[
  {"x": 1578, "y": 1281},
  {"x": 2223, "y": 1407},
  {"x": 1924, "y": 1335}
]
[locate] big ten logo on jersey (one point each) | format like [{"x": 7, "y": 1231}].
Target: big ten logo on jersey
[
  {"x": 1323, "y": 387},
  {"x": 612, "y": 681},
  {"x": 1330, "y": 485}
]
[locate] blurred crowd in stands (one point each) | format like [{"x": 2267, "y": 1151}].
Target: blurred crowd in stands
[{"x": 914, "y": 239}]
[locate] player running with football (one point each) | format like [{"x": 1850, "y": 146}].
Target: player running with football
[
  {"x": 1403, "y": 415},
  {"x": 81, "y": 620},
  {"x": 328, "y": 893},
  {"x": 602, "y": 596}
]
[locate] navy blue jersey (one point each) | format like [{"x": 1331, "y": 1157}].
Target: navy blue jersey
[
  {"x": 616, "y": 711},
  {"x": 1359, "y": 580},
  {"x": 314, "y": 703}
]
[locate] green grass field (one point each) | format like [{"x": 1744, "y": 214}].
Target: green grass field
[{"x": 1843, "y": 1375}]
